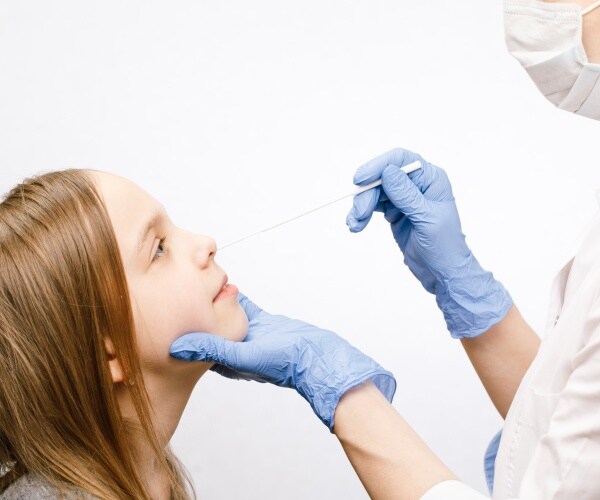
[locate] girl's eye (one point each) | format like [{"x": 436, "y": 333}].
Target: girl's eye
[{"x": 160, "y": 249}]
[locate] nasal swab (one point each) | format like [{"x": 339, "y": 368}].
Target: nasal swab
[
  {"x": 407, "y": 169},
  {"x": 411, "y": 167}
]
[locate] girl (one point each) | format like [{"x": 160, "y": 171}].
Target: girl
[{"x": 88, "y": 307}]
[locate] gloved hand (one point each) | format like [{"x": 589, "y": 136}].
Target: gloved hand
[
  {"x": 425, "y": 223},
  {"x": 286, "y": 352}
]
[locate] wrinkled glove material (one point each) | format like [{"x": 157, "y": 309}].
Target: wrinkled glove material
[
  {"x": 422, "y": 213},
  {"x": 287, "y": 352}
]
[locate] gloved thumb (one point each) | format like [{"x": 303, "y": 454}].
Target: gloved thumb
[
  {"x": 249, "y": 307},
  {"x": 362, "y": 210},
  {"x": 403, "y": 193},
  {"x": 205, "y": 347}
]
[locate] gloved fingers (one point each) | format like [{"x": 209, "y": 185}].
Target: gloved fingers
[
  {"x": 236, "y": 375},
  {"x": 205, "y": 347},
  {"x": 372, "y": 170},
  {"x": 430, "y": 180},
  {"x": 249, "y": 307},
  {"x": 433, "y": 182},
  {"x": 380, "y": 207},
  {"x": 362, "y": 209},
  {"x": 404, "y": 194},
  {"x": 225, "y": 372},
  {"x": 392, "y": 213}
]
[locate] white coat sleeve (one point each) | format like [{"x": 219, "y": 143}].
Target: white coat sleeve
[
  {"x": 566, "y": 460},
  {"x": 453, "y": 490},
  {"x": 565, "y": 463}
]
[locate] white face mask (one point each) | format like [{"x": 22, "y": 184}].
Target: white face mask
[{"x": 546, "y": 39}]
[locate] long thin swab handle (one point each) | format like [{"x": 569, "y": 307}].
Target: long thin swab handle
[{"x": 411, "y": 167}]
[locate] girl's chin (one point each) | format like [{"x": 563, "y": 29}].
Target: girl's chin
[{"x": 238, "y": 329}]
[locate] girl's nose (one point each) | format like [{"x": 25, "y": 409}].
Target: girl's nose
[{"x": 205, "y": 249}]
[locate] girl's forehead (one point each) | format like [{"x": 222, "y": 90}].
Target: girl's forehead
[
  {"x": 133, "y": 213},
  {"x": 113, "y": 184},
  {"x": 121, "y": 194}
]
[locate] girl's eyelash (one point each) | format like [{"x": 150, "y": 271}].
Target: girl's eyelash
[{"x": 160, "y": 250}]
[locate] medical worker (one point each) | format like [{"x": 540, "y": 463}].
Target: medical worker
[{"x": 548, "y": 391}]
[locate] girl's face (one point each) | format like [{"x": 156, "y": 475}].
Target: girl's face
[{"x": 175, "y": 285}]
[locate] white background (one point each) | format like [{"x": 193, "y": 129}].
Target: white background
[{"x": 237, "y": 114}]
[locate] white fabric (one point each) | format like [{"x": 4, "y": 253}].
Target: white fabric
[
  {"x": 550, "y": 447},
  {"x": 546, "y": 38},
  {"x": 452, "y": 490}
]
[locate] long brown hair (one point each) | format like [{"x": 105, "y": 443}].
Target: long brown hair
[{"x": 63, "y": 291}]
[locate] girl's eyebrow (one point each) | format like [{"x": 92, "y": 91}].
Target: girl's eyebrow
[{"x": 145, "y": 231}]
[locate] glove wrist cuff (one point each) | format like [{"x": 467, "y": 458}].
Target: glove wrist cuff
[
  {"x": 473, "y": 303},
  {"x": 325, "y": 403}
]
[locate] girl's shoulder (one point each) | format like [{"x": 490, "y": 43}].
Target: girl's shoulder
[{"x": 33, "y": 487}]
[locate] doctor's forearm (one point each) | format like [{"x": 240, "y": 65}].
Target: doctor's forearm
[
  {"x": 502, "y": 355},
  {"x": 390, "y": 459}
]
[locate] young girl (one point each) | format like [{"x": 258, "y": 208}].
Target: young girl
[{"x": 95, "y": 284}]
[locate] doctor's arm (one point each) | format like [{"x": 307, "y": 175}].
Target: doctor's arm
[
  {"x": 388, "y": 456},
  {"x": 349, "y": 392},
  {"x": 346, "y": 389},
  {"x": 393, "y": 462},
  {"x": 501, "y": 356},
  {"x": 422, "y": 213},
  {"x": 390, "y": 459}
]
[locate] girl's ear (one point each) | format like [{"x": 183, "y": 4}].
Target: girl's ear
[{"x": 113, "y": 363}]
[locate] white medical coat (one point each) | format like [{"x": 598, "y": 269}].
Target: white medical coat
[{"x": 550, "y": 446}]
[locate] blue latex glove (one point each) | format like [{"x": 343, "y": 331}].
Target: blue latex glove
[
  {"x": 489, "y": 461},
  {"x": 286, "y": 352},
  {"x": 421, "y": 210}
]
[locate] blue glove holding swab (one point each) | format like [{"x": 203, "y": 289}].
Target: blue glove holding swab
[{"x": 426, "y": 226}]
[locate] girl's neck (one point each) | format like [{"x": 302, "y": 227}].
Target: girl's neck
[{"x": 168, "y": 398}]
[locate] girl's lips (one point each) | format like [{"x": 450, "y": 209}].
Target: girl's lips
[{"x": 229, "y": 290}]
